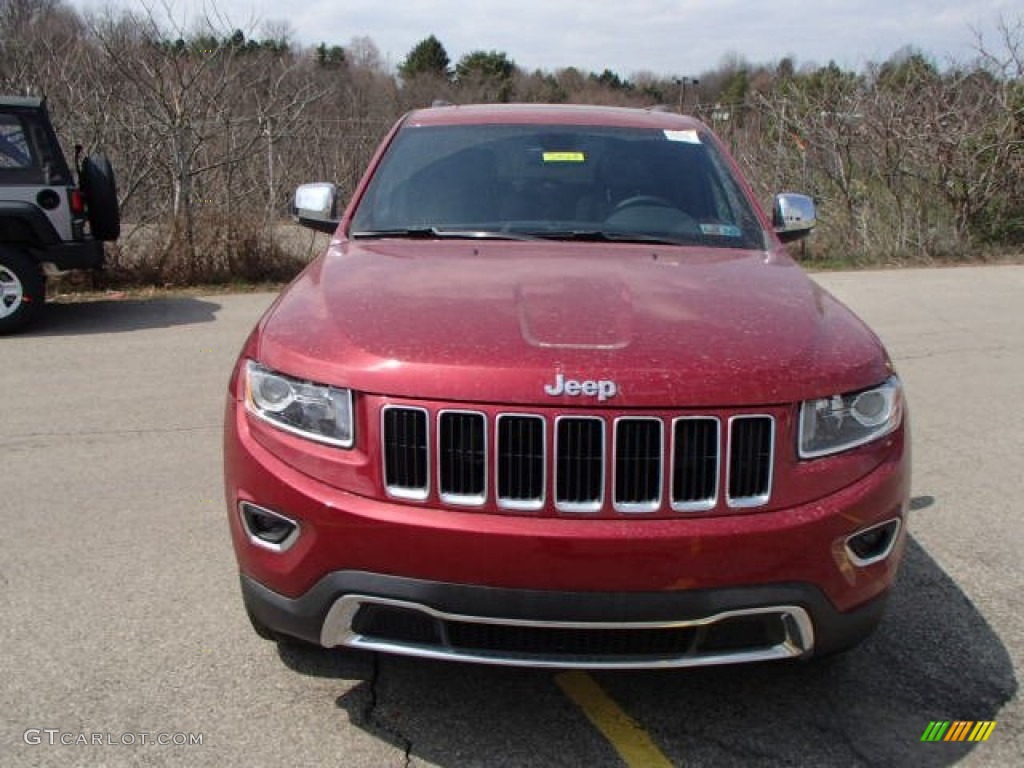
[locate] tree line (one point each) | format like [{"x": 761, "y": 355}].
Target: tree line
[{"x": 210, "y": 129}]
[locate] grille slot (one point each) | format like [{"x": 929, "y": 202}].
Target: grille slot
[
  {"x": 571, "y": 642},
  {"x": 462, "y": 457},
  {"x": 695, "y": 464},
  {"x": 751, "y": 448},
  {"x": 403, "y": 625},
  {"x": 406, "y": 455},
  {"x": 638, "y": 464},
  {"x": 521, "y": 464},
  {"x": 579, "y": 464}
]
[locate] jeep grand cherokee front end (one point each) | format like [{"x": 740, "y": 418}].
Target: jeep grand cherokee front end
[{"x": 555, "y": 395}]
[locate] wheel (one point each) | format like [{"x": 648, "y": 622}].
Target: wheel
[
  {"x": 96, "y": 177},
  {"x": 22, "y": 290}
]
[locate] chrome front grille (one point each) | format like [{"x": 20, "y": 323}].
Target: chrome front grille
[{"x": 578, "y": 460}]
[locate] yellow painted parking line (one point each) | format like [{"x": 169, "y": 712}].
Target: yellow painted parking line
[{"x": 623, "y": 732}]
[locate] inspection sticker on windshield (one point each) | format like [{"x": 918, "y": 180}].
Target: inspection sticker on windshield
[
  {"x": 688, "y": 137},
  {"x": 564, "y": 157},
  {"x": 721, "y": 230}
]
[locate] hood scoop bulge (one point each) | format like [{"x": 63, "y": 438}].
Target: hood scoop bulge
[{"x": 576, "y": 313}]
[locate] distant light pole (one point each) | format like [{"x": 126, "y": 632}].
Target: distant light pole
[{"x": 682, "y": 82}]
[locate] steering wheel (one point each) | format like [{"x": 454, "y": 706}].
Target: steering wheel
[{"x": 643, "y": 200}]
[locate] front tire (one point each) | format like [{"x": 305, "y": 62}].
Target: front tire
[{"x": 22, "y": 290}]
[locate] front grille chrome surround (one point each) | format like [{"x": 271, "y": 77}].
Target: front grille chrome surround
[
  {"x": 406, "y": 452},
  {"x": 751, "y": 460},
  {"x": 462, "y": 457},
  {"x": 638, "y": 456},
  {"x": 696, "y": 463},
  {"x": 594, "y": 465},
  {"x": 520, "y": 461},
  {"x": 579, "y": 464},
  {"x": 413, "y": 629}
]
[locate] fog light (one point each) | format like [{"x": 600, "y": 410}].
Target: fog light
[
  {"x": 268, "y": 529},
  {"x": 873, "y": 544}
]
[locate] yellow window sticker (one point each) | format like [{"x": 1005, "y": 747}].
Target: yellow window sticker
[{"x": 565, "y": 157}]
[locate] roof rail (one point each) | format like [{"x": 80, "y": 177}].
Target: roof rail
[{"x": 441, "y": 103}]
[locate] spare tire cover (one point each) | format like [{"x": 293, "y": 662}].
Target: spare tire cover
[{"x": 97, "y": 181}]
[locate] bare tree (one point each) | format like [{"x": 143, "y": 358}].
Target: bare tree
[{"x": 211, "y": 128}]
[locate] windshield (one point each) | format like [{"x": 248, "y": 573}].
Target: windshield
[{"x": 557, "y": 182}]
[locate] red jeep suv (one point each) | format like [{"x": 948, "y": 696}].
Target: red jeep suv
[{"x": 556, "y": 395}]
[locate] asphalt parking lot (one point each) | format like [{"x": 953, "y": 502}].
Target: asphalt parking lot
[{"x": 121, "y": 621}]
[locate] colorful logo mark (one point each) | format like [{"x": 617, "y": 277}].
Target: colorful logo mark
[{"x": 958, "y": 730}]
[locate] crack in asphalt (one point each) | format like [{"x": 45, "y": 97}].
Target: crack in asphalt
[
  {"x": 102, "y": 432},
  {"x": 953, "y": 351},
  {"x": 45, "y": 439},
  {"x": 376, "y": 720}
]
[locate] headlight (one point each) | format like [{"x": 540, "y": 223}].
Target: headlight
[
  {"x": 314, "y": 411},
  {"x": 838, "y": 423}
]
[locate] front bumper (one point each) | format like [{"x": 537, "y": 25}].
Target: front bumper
[
  {"x": 563, "y": 629},
  {"x": 388, "y": 576}
]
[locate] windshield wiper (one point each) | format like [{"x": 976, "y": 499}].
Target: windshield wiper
[
  {"x": 606, "y": 236},
  {"x": 430, "y": 233}
]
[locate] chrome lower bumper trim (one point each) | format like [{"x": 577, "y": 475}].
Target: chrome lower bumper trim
[{"x": 338, "y": 630}]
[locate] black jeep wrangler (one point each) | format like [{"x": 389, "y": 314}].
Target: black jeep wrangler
[{"x": 49, "y": 224}]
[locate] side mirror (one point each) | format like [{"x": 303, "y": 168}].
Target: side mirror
[
  {"x": 316, "y": 206},
  {"x": 793, "y": 216}
]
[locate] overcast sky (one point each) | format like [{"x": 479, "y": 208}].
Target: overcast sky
[{"x": 666, "y": 37}]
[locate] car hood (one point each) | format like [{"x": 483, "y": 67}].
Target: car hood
[{"x": 497, "y": 321}]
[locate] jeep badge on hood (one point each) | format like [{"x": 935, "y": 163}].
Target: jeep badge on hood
[{"x": 603, "y": 389}]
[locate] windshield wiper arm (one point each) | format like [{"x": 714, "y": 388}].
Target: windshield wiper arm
[
  {"x": 431, "y": 233},
  {"x": 605, "y": 236}
]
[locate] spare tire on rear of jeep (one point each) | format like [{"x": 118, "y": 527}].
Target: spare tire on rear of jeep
[{"x": 96, "y": 179}]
